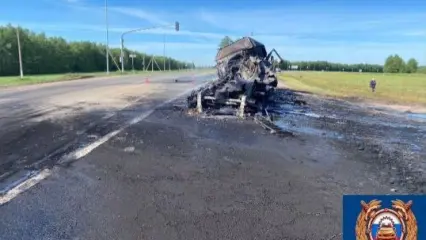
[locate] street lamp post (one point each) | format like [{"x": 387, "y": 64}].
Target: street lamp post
[
  {"x": 176, "y": 24},
  {"x": 107, "y": 37}
]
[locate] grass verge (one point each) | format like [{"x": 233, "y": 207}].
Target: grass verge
[{"x": 400, "y": 89}]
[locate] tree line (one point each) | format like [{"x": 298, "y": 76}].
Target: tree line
[
  {"x": 329, "y": 66},
  {"x": 46, "y": 55},
  {"x": 393, "y": 64}
]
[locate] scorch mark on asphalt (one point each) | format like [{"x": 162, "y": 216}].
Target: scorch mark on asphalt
[{"x": 83, "y": 151}]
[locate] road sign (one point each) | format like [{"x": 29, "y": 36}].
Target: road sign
[{"x": 132, "y": 55}]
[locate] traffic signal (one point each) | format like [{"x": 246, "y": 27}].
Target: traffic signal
[{"x": 177, "y": 26}]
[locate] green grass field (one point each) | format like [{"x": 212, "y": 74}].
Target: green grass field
[
  {"x": 391, "y": 88},
  {"x": 35, "y": 79}
]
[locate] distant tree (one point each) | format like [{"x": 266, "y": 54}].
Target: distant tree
[
  {"x": 389, "y": 66},
  {"x": 394, "y": 64},
  {"x": 412, "y": 65},
  {"x": 225, "y": 42},
  {"x": 334, "y": 67}
]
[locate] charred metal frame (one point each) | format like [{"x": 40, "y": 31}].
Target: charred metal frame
[{"x": 246, "y": 79}]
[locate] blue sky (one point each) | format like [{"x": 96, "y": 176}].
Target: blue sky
[{"x": 339, "y": 31}]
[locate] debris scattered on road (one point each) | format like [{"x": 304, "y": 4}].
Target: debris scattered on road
[
  {"x": 269, "y": 125},
  {"x": 92, "y": 136},
  {"x": 334, "y": 236},
  {"x": 129, "y": 149}
]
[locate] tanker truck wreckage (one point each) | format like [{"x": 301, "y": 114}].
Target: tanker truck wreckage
[{"x": 246, "y": 81}]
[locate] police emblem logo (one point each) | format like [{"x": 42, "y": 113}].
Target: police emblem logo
[{"x": 376, "y": 223}]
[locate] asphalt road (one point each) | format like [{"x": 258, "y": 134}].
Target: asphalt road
[
  {"x": 27, "y": 92},
  {"x": 40, "y": 123},
  {"x": 173, "y": 176},
  {"x": 170, "y": 175},
  {"x": 35, "y": 100}
]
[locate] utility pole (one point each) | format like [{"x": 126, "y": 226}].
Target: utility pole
[
  {"x": 19, "y": 54},
  {"x": 164, "y": 52},
  {"x": 107, "y": 37},
  {"x": 143, "y": 62},
  {"x": 122, "y": 53}
]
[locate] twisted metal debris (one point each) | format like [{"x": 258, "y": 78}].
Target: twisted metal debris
[{"x": 246, "y": 80}]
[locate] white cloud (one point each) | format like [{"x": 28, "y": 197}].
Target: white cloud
[
  {"x": 159, "y": 31},
  {"x": 141, "y": 14},
  {"x": 297, "y": 21},
  {"x": 172, "y": 45}
]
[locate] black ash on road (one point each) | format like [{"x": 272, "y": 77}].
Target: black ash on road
[{"x": 180, "y": 176}]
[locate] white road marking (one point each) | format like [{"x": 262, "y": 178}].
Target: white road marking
[
  {"x": 11, "y": 194},
  {"x": 81, "y": 152}
]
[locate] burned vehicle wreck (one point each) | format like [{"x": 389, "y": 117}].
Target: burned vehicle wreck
[{"x": 246, "y": 80}]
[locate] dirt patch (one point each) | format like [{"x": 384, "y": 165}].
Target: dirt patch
[
  {"x": 399, "y": 108},
  {"x": 105, "y": 97}
]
